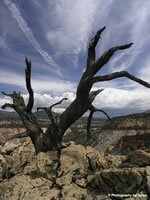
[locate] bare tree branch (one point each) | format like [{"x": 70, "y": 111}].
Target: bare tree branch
[
  {"x": 49, "y": 112},
  {"x": 7, "y": 105},
  {"x": 93, "y": 94},
  {"x": 28, "y": 85},
  {"x": 92, "y": 111},
  {"x": 59, "y": 102},
  {"x": 120, "y": 74},
  {"x": 102, "y": 111},
  {"x": 92, "y": 45},
  {"x": 6, "y": 94},
  {"x": 89, "y": 125},
  {"x": 100, "y": 62}
]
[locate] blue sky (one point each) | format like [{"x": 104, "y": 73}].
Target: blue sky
[{"x": 55, "y": 36}]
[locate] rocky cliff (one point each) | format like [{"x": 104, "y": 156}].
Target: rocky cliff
[{"x": 125, "y": 134}]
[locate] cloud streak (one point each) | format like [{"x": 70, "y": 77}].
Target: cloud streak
[
  {"x": 132, "y": 25},
  {"x": 29, "y": 35},
  {"x": 39, "y": 83},
  {"x": 75, "y": 23},
  {"x": 3, "y": 43}
]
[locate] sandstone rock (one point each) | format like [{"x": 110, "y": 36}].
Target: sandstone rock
[
  {"x": 73, "y": 192},
  {"x": 147, "y": 169},
  {"x": 26, "y": 187},
  {"x": 78, "y": 156},
  {"x": 7, "y": 133},
  {"x": 148, "y": 178},
  {"x": 39, "y": 188},
  {"x": 10, "y": 146},
  {"x": 3, "y": 167},
  {"x": 94, "y": 171},
  {"x": 74, "y": 157},
  {"x": 121, "y": 181},
  {"x": 47, "y": 164},
  {"x": 102, "y": 197},
  {"x": 148, "y": 184},
  {"x": 137, "y": 158},
  {"x": 30, "y": 169},
  {"x": 2, "y": 150},
  {"x": 22, "y": 156},
  {"x": 137, "y": 198}
]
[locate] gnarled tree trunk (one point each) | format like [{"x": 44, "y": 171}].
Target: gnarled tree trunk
[{"x": 52, "y": 138}]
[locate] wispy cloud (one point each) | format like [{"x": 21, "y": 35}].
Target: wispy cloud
[
  {"x": 39, "y": 83},
  {"x": 29, "y": 34},
  {"x": 144, "y": 72},
  {"x": 135, "y": 28},
  {"x": 16, "y": 79},
  {"x": 3, "y": 43},
  {"x": 75, "y": 22}
]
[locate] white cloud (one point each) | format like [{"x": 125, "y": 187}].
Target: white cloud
[
  {"x": 29, "y": 35},
  {"x": 52, "y": 85},
  {"x": 39, "y": 84},
  {"x": 110, "y": 98},
  {"x": 47, "y": 100},
  {"x": 5, "y": 100},
  {"x": 137, "y": 99}
]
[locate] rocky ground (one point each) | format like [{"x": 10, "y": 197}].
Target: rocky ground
[
  {"x": 85, "y": 173},
  {"x": 118, "y": 167}
]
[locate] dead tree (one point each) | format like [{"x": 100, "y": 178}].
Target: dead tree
[{"x": 52, "y": 138}]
